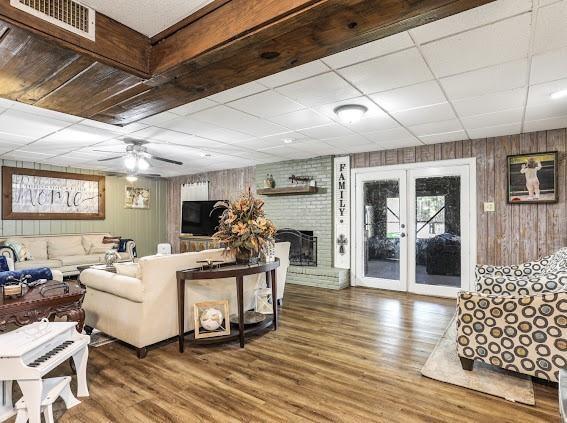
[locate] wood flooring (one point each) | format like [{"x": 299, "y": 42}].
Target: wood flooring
[{"x": 344, "y": 356}]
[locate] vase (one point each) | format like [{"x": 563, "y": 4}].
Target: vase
[{"x": 246, "y": 256}]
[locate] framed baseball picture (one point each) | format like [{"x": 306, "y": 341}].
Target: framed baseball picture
[{"x": 532, "y": 178}]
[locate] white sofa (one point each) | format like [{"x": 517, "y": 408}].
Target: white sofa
[
  {"x": 62, "y": 252},
  {"x": 142, "y": 310}
]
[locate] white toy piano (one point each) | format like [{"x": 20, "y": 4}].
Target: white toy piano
[{"x": 29, "y": 352}]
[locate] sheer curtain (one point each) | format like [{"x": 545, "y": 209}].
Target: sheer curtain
[{"x": 196, "y": 191}]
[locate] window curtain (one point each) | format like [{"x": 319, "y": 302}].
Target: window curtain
[{"x": 196, "y": 191}]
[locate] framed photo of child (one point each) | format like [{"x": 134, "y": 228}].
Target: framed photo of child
[{"x": 532, "y": 178}]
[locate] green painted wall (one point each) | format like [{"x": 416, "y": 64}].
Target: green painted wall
[{"x": 146, "y": 227}]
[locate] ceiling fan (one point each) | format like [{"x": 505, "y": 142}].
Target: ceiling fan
[{"x": 137, "y": 159}]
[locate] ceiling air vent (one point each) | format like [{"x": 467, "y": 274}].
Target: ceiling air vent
[{"x": 66, "y": 14}]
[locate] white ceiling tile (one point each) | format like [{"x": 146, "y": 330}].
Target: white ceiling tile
[
  {"x": 546, "y": 124},
  {"x": 159, "y": 119},
  {"x": 493, "y": 119},
  {"x": 237, "y": 92},
  {"x": 349, "y": 141},
  {"x": 549, "y": 66},
  {"x": 550, "y": 109},
  {"x": 486, "y": 46},
  {"x": 392, "y": 71},
  {"x": 389, "y": 135},
  {"x": 79, "y": 135},
  {"x": 540, "y": 93},
  {"x": 490, "y": 103},
  {"x": 126, "y": 129},
  {"x": 418, "y": 95},
  {"x": 373, "y": 123},
  {"x": 332, "y": 130},
  {"x": 502, "y": 77},
  {"x": 16, "y": 122},
  {"x": 302, "y": 119},
  {"x": 496, "y": 131},
  {"x": 6, "y": 104},
  {"x": 551, "y": 27},
  {"x": 370, "y": 50},
  {"x": 437, "y": 127},
  {"x": 26, "y": 156},
  {"x": 14, "y": 139},
  {"x": 433, "y": 113},
  {"x": 294, "y": 74},
  {"x": 193, "y": 107},
  {"x": 320, "y": 89},
  {"x": 402, "y": 143},
  {"x": 316, "y": 148},
  {"x": 192, "y": 126},
  {"x": 272, "y": 141},
  {"x": 52, "y": 114},
  {"x": 472, "y": 18},
  {"x": 266, "y": 104},
  {"x": 443, "y": 137},
  {"x": 174, "y": 137}
]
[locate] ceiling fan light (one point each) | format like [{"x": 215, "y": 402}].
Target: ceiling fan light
[
  {"x": 350, "y": 113},
  {"x": 143, "y": 164},
  {"x": 131, "y": 178},
  {"x": 130, "y": 162}
]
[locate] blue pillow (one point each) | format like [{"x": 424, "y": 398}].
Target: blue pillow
[{"x": 4, "y": 264}]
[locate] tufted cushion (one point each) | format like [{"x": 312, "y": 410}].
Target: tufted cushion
[{"x": 65, "y": 246}]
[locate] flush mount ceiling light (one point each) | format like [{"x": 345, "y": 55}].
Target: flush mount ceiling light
[
  {"x": 131, "y": 178},
  {"x": 558, "y": 95},
  {"x": 350, "y": 113}
]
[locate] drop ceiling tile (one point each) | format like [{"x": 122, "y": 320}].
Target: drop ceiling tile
[
  {"x": 345, "y": 143},
  {"x": 485, "y": 46},
  {"x": 235, "y": 120},
  {"x": 551, "y": 30},
  {"x": 6, "y": 104},
  {"x": 373, "y": 123},
  {"x": 501, "y": 77},
  {"x": 370, "y": 50},
  {"x": 284, "y": 152},
  {"x": 502, "y": 117},
  {"x": 317, "y": 148},
  {"x": 79, "y": 135},
  {"x": 192, "y": 126},
  {"x": 332, "y": 130},
  {"x": 549, "y": 66},
  {"x": 363, "y": 148},
  {"x": 496, "y": 131},
  {"x": 433, "y": 113},
  {"x": 444, "y": 137},
  {"x": 551, "y": 109},
  {"x": 51, "y": 114},
  {"x": 436, "y": 127},
  {"x": 159, "y": 119},
  {"x": 547, "y": 124},
  {"x": 266, "y": 104},
  {"x": 16, "y": 122},
  {"x": 320, "y": 89},
  {"x": 392, "y": 71},
  {"x": 126, "y": 129},
  {"x": 272, "y": 141},
  {"x": 540, "y": 93},
  {"x": 14, "y": 139},
  {"x": 294, "y": 74},
  {"x": 302, "y": 119},
  {"x": 26, "y": 156},
  {"x": 401, "y": 143},
  {"x": 490, "y": 103},
  {"x": 193, "y": 107},
  {"x": 175, "y": 137},
  {"x": 418, "y": 95},
  {"x": 470, "y": 19},
  {"x": 389, "y": 135},
  {"x": 238, "y": 92}
]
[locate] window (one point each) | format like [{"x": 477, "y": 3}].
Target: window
[
  {"x": 430, "y": 216},
  {"x": 393, "y": 218}
]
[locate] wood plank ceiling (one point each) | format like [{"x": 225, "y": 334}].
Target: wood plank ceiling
[{"x": 124, "y": 76}]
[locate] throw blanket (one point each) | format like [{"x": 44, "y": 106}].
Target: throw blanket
[
  {"x": 122, "y": 246},
  {"x": 37, "y": 273},
  {"x": 4, "y": 264}
]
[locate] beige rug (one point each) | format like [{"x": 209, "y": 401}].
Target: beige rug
[{"x": 443, "y": 364}]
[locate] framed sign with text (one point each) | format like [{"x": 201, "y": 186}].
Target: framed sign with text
[
  {"x": 47, "y": 195},
  {"x": 341, "y": 203}
]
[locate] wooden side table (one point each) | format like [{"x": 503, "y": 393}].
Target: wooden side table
[
  {"x": 227, "y": 271},
  {"x": 33, "y": 306}
]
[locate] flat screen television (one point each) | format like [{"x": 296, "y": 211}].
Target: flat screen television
[{"x": 199, "y": 217}]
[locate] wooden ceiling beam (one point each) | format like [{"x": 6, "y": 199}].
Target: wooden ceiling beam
[{"x": 115, "y": 45}]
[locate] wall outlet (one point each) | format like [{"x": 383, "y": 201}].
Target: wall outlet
[{"x": 489, "y": 207}]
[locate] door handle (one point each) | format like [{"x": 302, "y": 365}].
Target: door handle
[{"x": 402, "y": 235}]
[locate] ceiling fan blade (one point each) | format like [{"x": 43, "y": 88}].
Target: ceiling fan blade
[
  {"x": 167, "y": 160},
  {"x": 110, "y": 158},
  {"x": 150, "y": 175}
]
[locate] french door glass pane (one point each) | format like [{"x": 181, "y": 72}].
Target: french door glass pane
[
  {"x": 382, "y": 229},
  {"x": 438, "y": 231}
]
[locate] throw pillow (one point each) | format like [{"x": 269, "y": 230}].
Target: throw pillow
[
  {"x": 63, "y": 246},
  {"x": 111, "y": 240},
  {"x": 37, "y": 248},
  {"x": 20, "y": 250},
  {"x": 128, "y": 269}
]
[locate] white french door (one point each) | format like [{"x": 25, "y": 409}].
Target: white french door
[{"x": 414, "y": 227}]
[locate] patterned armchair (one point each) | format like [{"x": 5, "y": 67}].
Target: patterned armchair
[{"x": 517, "y": 319}]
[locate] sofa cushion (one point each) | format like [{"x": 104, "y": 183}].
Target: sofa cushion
[
  {"x": 37, "y": 247},
  {"x": 51, "y": 263},
  {"x": 65, "y": 246},
  {"x": 128, "y": 269},
  {"x": 80, "y": 259}
]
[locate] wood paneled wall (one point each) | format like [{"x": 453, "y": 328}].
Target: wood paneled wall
[
  {"x": 146, "y": 227},
  {"x": 514, "y": 233},
  {"x": 223, "y": 185}
]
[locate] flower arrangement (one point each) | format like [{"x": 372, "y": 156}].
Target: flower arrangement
[{"x": 243, "y": 228}]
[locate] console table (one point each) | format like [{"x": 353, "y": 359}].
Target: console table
[
  {"x": 33, "y": 306},
  {"x": 238, "y": 272}
]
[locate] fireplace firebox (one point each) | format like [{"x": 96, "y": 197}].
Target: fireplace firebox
[{"x": 303, "y": 248}]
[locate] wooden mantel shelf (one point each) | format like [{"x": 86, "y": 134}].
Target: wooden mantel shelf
[{"x": 293, "y": 190}]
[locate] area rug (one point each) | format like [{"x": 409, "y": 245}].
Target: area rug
[
  {"x": 444, "y": 365},
  {"x": 98, "y": 339}
]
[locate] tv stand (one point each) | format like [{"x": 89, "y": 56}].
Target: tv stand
[{"x": 189, "y": 243}]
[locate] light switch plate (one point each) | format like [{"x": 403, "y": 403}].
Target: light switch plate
[{"x": 489, "y": 207}]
